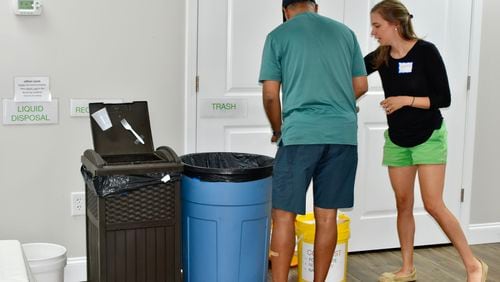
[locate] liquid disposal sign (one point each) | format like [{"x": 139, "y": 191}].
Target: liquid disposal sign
[{"x": 30, "y": 112}]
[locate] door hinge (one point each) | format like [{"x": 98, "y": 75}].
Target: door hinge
[
  {"x": 468, "y": 82},
  {"x": 197, "y": 83},
  {"x": 462, "y": 195}
]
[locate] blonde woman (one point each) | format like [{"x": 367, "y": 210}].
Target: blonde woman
[{"x": 415, "y": 85}]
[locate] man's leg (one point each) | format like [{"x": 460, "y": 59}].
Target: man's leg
[
  {"x": 293, "y": 169},
  {"x": 333, "y": 181},
  {"x": 325, "y": 241},
  {"x": 282, "y": 244}
]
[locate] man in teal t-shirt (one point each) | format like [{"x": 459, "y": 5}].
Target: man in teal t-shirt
[{"x": 318, "y": 64}]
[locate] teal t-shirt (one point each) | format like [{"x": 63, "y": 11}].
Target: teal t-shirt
[{"x": 315, "y": 59}]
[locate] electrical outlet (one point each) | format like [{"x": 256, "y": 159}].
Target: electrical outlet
[{"x": 77, "y": 203}]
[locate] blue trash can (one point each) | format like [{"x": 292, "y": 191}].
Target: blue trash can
[{"x": 226, "y": 215}]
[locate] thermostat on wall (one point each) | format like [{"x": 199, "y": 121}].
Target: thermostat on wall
[{"x": 28, "y": 7}]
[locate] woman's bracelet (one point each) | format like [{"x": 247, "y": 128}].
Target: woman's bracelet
[{"x": 412, "y": 101}]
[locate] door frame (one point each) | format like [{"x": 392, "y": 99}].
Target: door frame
[
  {"x": 470, "y": 119},
  {"x": 191, "y": 72},
  {"x": 191, "y": 109}
]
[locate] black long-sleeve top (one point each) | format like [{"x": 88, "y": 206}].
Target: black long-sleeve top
[{"x": 421, "y": 73}]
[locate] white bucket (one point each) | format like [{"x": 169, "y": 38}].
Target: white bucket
[{"x": 46, "y": 261}]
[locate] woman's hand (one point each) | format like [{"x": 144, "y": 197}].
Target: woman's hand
[{"x": 392, "y": 104}]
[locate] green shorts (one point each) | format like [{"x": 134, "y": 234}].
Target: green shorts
[{"x": 432, "y": 151}]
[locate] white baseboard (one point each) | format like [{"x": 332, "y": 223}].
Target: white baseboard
[
  {"x": 76, "y": 270},
  {"x": 484, "y": 233}
]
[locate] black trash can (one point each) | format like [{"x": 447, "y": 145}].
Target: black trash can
[
  {"x": 132, "y": 201},
  {"x": 226, "y": 216}
]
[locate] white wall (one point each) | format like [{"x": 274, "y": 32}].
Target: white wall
[
  {"x": 135, "y": 50},
  {"x": 90, "y": 49},
  {"x": 485, "y": 207}
]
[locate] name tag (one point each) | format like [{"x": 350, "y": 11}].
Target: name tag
[{"x": 405, "y": 67}]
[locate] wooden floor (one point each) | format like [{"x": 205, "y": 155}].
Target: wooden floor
[{"x": 437, "y": 263}]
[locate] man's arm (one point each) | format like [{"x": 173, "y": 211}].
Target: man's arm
[
  {"x": 272, "y": 106},
  {"x": 360, "y": 85}
]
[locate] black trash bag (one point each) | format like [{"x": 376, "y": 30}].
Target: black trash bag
[
  {"x": 227, "y": 166},
  {"x": 117, "y": 184}
]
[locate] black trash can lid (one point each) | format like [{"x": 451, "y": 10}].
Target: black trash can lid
[
  {"x": 227, "y": 166},
  {"x": 117, "y": 140}
]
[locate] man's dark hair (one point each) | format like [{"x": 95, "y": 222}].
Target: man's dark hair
[{"x": 285, "y": 3}]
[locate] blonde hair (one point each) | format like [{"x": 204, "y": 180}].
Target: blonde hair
[{"x": 395, "y": 13}]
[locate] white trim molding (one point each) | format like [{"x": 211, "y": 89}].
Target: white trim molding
[
  {"x": 471, "y": 114},
  {"x": 76, "y": 270},
  {"x": 484, "y": 233},
  {"x": 191, "y": 59}
]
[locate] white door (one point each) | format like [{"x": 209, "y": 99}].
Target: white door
[
  {"x": 230, "y": 116},
  {"x": 231, "y": 35}
]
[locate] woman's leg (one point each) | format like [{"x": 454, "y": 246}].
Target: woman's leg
[
  {"x": 403, "y": 181},
  {"x": 431, "y": 178}
]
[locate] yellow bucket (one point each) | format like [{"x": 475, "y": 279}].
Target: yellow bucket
[{"x": 305, "y": 229}]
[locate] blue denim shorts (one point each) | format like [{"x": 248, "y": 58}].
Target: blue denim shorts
[{"x": 331, "y": 167}]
